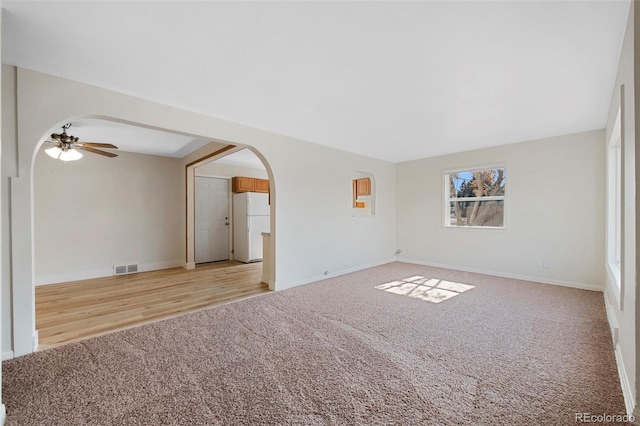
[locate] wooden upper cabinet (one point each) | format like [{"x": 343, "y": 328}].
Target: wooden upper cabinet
[
  {"x": 243, "y": 184},
  {"x": 249, "y": 184},
  {"x": 261, "y": 185},
  {"x": 363, "y": 187}
]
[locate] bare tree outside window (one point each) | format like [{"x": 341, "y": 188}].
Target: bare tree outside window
[{"x": 475, "y": 198}]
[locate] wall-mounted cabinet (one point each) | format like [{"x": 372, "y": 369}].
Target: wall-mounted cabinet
[
  {"x": 361, "y": 189},
  {"x": 261, "y": 185},
  {"x": 243, "y": 184},
  {"x": 249, "y": 184}
]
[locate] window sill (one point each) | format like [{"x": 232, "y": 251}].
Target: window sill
[{"x": 483, "y": 228}]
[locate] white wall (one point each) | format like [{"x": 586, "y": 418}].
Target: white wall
[
  {"x": 98, "y": 212},
  {"x": 554, "y": 210},
  {"x": 625, "y": 319},
  {"x": 311, "y": 188}
]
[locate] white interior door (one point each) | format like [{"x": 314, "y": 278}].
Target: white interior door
[{"x": 212, "y": 219}]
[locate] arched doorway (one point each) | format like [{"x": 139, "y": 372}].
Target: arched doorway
[
  {"x": 232, "y": 172},
  {"x": 43, "y": 103},
  {"x": 184, "y": 198}
]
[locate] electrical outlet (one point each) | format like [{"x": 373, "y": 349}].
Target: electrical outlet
[{"x": 546, "y": 263}]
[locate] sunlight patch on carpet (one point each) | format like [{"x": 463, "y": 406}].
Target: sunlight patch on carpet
[{"x": 428, "y": 289}]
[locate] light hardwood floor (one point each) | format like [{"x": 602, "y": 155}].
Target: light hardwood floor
[{"x": 73, "y": 311}]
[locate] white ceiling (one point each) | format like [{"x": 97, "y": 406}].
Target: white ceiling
[
  {"x": 134, "y": 138},
  {"x": 392, "y": 80},
  {"x": 244, "y": 157}
]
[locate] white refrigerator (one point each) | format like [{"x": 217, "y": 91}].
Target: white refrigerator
[{"x": 250, "y": 219}]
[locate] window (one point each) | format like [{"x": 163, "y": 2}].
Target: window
[
  {"x": 614, "y": 207},
  {"x": 475, "y": 198}
]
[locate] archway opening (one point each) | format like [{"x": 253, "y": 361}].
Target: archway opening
[
  {"x": 97, "y": 215},
  {"x": 242, "y": 176}
]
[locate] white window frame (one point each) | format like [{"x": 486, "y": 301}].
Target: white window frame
[
  {"x": 447, "y": 199},
  {"x": 614, "y": 210}
]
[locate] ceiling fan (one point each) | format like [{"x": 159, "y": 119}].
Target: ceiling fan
[{"x": 66, "y": 146}]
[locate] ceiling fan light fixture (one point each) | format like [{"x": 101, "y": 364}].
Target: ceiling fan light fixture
[
  {"x": 70, "y": 155},
  {"x": 66, "y": 146},
  {"x": 53, "y": 152}
]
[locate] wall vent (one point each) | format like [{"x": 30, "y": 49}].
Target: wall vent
[{"x": 125, "y": 269}]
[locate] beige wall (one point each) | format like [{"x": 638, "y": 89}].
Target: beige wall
[
  {"x": 554, "y": 211},
  {"x": 313, "y": 229},
  {"x": 9, "y": 168},
  {"x": 98, "y": 212},
  {"x": 216, "y": 169},
  {"x": 2, "y": 295}
]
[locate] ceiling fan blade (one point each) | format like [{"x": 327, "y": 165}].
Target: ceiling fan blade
[
  {"x": 97, "y": 151},
  {"x": 97, "y": 145}
]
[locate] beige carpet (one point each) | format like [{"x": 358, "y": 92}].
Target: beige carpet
[{"x": 493, "y": 351}]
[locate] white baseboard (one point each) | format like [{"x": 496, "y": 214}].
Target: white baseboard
[
  {"x": 542, "y": 280},
  {"x": 625, "y": 383},
  {"x": 73, "y": 276},
  {"x": 278, "y": 286},
  {"x": 35, "y": 340},
  {"x": 3, "y": 414},
  {"x": 627, "y": 393},
  {"x": 157, "y": 266},
  {"x": 7, "y": 355},
  {"x": 103, "y": 272}
]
